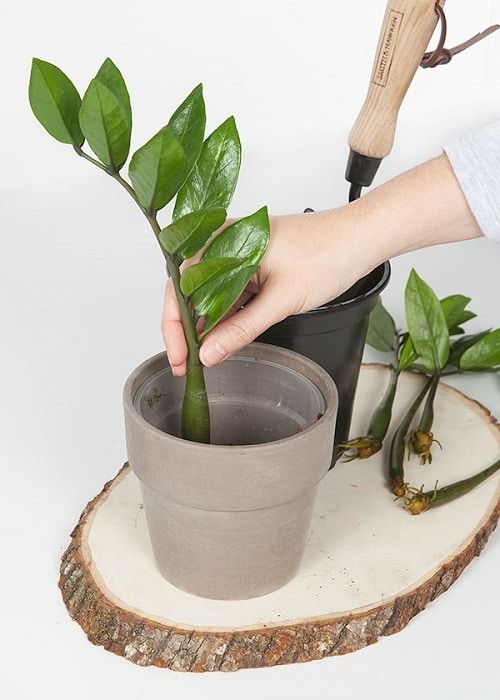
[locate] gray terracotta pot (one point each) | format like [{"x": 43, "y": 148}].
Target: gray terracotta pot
[{"x": 230, "y": 520}]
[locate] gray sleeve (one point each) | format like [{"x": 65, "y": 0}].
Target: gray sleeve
[{"x": 475, "y": 159}]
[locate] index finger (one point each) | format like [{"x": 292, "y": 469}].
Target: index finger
[{"x": 173, "y": 332}]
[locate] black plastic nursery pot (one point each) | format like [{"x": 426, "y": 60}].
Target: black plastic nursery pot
[{"x": 334, "y": 336}]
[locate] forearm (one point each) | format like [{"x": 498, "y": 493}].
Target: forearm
[
  {"x": 422, "y": 207},
  {"x": 313, "y": 258}
]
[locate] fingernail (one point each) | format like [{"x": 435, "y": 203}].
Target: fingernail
[
  {"x": 170, "y": 363},
  {"x": 212, "y": 353}
]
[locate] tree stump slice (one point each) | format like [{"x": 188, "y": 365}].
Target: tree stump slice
[{"x": 368, "y": 568}]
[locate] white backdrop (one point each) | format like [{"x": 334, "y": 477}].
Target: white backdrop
[{"x": 82, "y": 285}]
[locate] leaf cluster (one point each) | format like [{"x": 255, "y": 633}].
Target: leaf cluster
[
  {"x": 435, "y": 341},
  {"x": 178, "y": 162}
]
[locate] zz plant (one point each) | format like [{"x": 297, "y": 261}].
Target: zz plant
[
  {"x": 176, "y": 162},
  {"x": 434, "y": 346}
]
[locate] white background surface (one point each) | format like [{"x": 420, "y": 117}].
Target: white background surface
[{"x": 81, "y": 295}]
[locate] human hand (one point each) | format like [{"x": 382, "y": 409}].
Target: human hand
[{"x": 311, "y": 259}]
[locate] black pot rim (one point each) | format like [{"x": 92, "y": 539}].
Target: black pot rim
[{"x": 332, "y": 306}]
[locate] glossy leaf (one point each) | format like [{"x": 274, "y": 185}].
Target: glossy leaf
[
  {"x": 109, "y": 75},
  {"x": 408, "y": 355},
  {"x": 55, "y": 102},
  {"x": 212, "y": 180},
  {"x": 188, "y": 235},
  {"x": 466, "y": 316},
  {"x": 245, "y": 240},
  {"x": 195, "y": 276},
  {"x": 105, "y": 125},
  {"x": 215, "y": 306},
  {"x": 459, "y": 346},
  {"x": 158, "y": 169},
  {"x": 381, "y": 329},
  {"x": 483, "y": 354},
  {"x": 455, "y": 312},
  {"x": 187, "y": 124},
  {"x": 426, "y": 323}
]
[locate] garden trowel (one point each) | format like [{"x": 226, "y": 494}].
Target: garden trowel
[{"x": 406, "y": 32}]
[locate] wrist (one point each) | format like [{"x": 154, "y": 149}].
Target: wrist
[{"x": 422, "y": 207}]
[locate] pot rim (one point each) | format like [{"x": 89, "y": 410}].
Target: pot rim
[
  {"x": 328, "y": 391},
  {"x": 332, "y": 306}
]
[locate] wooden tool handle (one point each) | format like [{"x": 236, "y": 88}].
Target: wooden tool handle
[{"x": 406, "y": 32}]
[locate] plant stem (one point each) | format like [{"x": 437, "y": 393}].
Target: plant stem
[
  {"x": 427, "y": 418},
  {"x": 422, "y": 500},
  {"x": 195, "y": 409},
  {"x": 368, "y": 445},
  {"x": 421, "y": 439},
  {"x": 397, "y": 452},
  {"x": 452, "y": 491},
  {"x": 381, "y": 418}
]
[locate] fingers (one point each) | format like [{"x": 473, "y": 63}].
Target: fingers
[
  {"x": 244, "y": 326},
  {"x": 173, "y": 333}
]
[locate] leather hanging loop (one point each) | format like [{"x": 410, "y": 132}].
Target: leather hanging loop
[{"x": 441, "y": 55}]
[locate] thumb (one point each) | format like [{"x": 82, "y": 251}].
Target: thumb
[{"x": 244, "y": 326}]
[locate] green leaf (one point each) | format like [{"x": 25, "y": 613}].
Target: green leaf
[
  {"x": 408, "y": 355},
  {"x": 217, "y": 305},
  {"x": 426, "y": 323},
  {"x": 187, "y": 124},
  {"x": 55, "y": 102},
  {"x": 245, "y": 240},
  {"x": 188, "y": 235},
  {"x": 212, "y": 180},
  {"x": 105, "y": 125},
  {"x": 109, "y": 75},
  {"x": 453, "y": 309},
  {"x": 484, "y": 354},
  {"x": 158, "y": 169},
  {"x": 455, "y": 312},
  {"x": 467, "y": 316},
  {"x": 381, "y": 329},
  {"x": 195, "y": 276},
  {"x": 459, "y": 346}
]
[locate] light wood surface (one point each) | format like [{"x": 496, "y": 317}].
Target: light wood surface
[
  {"x": 369, "y": 566},
  {"x": 407, "y": 29}
]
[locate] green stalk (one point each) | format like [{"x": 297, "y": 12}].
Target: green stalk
[
  {"x": 427, "y": 418},
  {"x": 420, "y": 441},
  {"x": 370, "y": 444},
  {"x": 397, "y": 452},
  {"x": 381, "y": 419},
  {"x": 425, "y": 500},
  {"x": 195, "y": 408}
]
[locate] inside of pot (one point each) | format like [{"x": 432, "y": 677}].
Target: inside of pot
[
  {"x": 365, "y": 285},
  {"x": 251, "y": 402}
]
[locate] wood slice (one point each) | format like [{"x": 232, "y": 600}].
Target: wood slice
[{"x": 368, "y": 568}]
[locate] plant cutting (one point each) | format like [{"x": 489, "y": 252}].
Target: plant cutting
[
  {"x": 383, "y": 336},
  {"x": 421, "y": 439},
  {"x": 429, "y": 334},
  {"x": 419, "y": 500},
  {"x": 175, "y": 161},
  {"x": 229, "y": 463},
  {"x": 397, "y": 483},
  {"x": 429, "y": 348}
]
